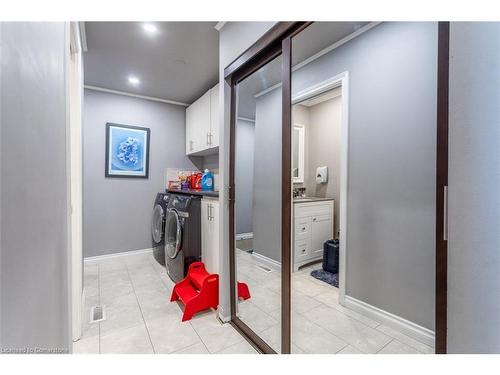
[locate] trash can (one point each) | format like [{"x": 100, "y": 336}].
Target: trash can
[{"x": 331, "y": 256}]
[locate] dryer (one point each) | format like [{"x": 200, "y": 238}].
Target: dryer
[
  {"x": 158, "y": 227},
  {"x": 182, "y": 234}
]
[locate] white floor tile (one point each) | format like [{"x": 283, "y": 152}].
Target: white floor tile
[
  {"x": 169, "y": 334},
  {"x": 198, "y": 348},
  {"x": 396, "y": 347},
  {"x": 121, "y": 312},
  {"x": 313, "y": 339},
  {"x": 302, "y": 303},
  {"x": 421, "y": 347},
  {"x": 88, "y": 345},
  {"x": 215, "y": 335},
  {"x": 357, "y": 334},
  {"x": 132, "y": 340},
  {"x": 241, "y": 348},
  {"x": 350, "y": 350}
]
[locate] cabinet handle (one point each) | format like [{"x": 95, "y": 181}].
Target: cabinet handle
[
  {"x": 208, "y": 142},
  {"x": 190, "y": 145},
  {"x": 210, "y": 138},
  {"x": 303, "y": 229},
  {"x": 314, "y": 219},
  {"x": 445, "y": 213}
]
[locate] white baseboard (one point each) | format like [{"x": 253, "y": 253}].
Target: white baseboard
[
  {"x": 244, "y": 236},
  {"x": 100, "y": 258},
  {"x": 410, "y": 329},
  {"x": 275, "y": 265}
]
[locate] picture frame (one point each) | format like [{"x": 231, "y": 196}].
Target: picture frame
[{"x": 127, "y": 151}]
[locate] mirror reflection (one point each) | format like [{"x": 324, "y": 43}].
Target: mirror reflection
[{"x": 258, "y": 202}]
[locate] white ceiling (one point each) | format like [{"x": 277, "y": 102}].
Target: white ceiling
[{"x": 179, "y": 62}]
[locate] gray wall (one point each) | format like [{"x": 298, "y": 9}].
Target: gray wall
[
  {"x": 391, "y": 176},
  {"x": 117, "y": 211},
  {"x": 34, "y": 259},
  {"x": 244, "y": 176},
  {"x": 267, "y": 176},
  {"x": 474, "y": 189}
]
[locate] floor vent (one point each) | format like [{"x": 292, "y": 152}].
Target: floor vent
[
  {"x": 97, "y": 313},
  {"x": 264, "y": 268}
]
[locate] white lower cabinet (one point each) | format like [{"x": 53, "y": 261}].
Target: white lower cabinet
[
  {"x": 313, "y": 225},
  {"x": 210, "y": 234}
]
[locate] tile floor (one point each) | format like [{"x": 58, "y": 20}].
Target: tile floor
[
  {"x": 319, "y": 323},
  {"x": 139, "y": 317}
]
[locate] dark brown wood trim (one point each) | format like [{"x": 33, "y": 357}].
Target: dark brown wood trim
[
  {"x": 286, "y": 195},
  {"x": 275, "y": 34},
  {"x": 232, "y": 244},
  {"x": 270, "y": 39},
  {"x": 442, "y": 183},
  {"x": 251, "y": 336}
]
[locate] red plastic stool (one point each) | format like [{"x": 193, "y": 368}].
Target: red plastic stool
[
  {"x": 199, "y": 290},
  {"x": 243, "y": 291}
]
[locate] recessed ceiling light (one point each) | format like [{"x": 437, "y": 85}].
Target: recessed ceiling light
[
  {"x": 149, "y": 28},
  {"x": 133, "y": 80}
]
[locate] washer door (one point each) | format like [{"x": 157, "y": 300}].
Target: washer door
[
  {"x": 157, "y": 223},
  {"x": 173, "y": 234}
]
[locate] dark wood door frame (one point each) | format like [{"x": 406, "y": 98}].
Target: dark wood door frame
[
  {"x": 441, "y": 298},
  {"x": 278, "y": 40}
]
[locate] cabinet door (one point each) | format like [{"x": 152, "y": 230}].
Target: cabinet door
[
  {"x": 322, "y": 230},
  {"x": 203, "y": 123},
  {"x": 214, "y": 117},
  {"x": 215, "y": 237},
  {"x": 206, "y": 233},
  {"x": 210, "y": 234},
  {"x": 190, "y": 124}
]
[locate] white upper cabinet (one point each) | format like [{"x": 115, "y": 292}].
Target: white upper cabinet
[
  {"x": 214, "y": 117},
  {"x": 202, "y": 124}
]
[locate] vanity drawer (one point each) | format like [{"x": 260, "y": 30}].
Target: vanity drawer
[
  {"x": 302, "y": 228},
  {"x": 302, "y": 250}
]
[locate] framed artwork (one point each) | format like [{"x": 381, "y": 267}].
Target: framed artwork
[{"x": 127, "y": 151}]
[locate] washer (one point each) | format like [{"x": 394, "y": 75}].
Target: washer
[
  {"x": 182, "y": 234},
  {"x": 158, "y": 227}
]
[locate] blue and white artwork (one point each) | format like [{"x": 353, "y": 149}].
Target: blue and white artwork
[{"x": 127, "y": 151}]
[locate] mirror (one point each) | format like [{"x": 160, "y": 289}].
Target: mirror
[
  {"x": 257, "y": 204},
  {"x": 298, "y": 142}
]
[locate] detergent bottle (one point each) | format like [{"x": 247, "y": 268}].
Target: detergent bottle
[{"x": 207, "y": 181}]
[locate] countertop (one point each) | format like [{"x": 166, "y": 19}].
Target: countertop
[
  {"x": 310, "y": 200},
  {"x": 205, "y": 193}
]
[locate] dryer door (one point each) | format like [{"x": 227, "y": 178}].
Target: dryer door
[
  {"x": 173, "y": 234},
  {"x": 157, "y": 223}
]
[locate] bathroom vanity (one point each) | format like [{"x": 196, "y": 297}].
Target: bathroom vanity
[{"x": 313, "y": 225}]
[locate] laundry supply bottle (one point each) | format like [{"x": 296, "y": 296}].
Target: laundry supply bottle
[{"x": 207, "y": 181}]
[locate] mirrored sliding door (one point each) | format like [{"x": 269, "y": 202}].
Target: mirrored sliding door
[{"x": 257, "y": 201}]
